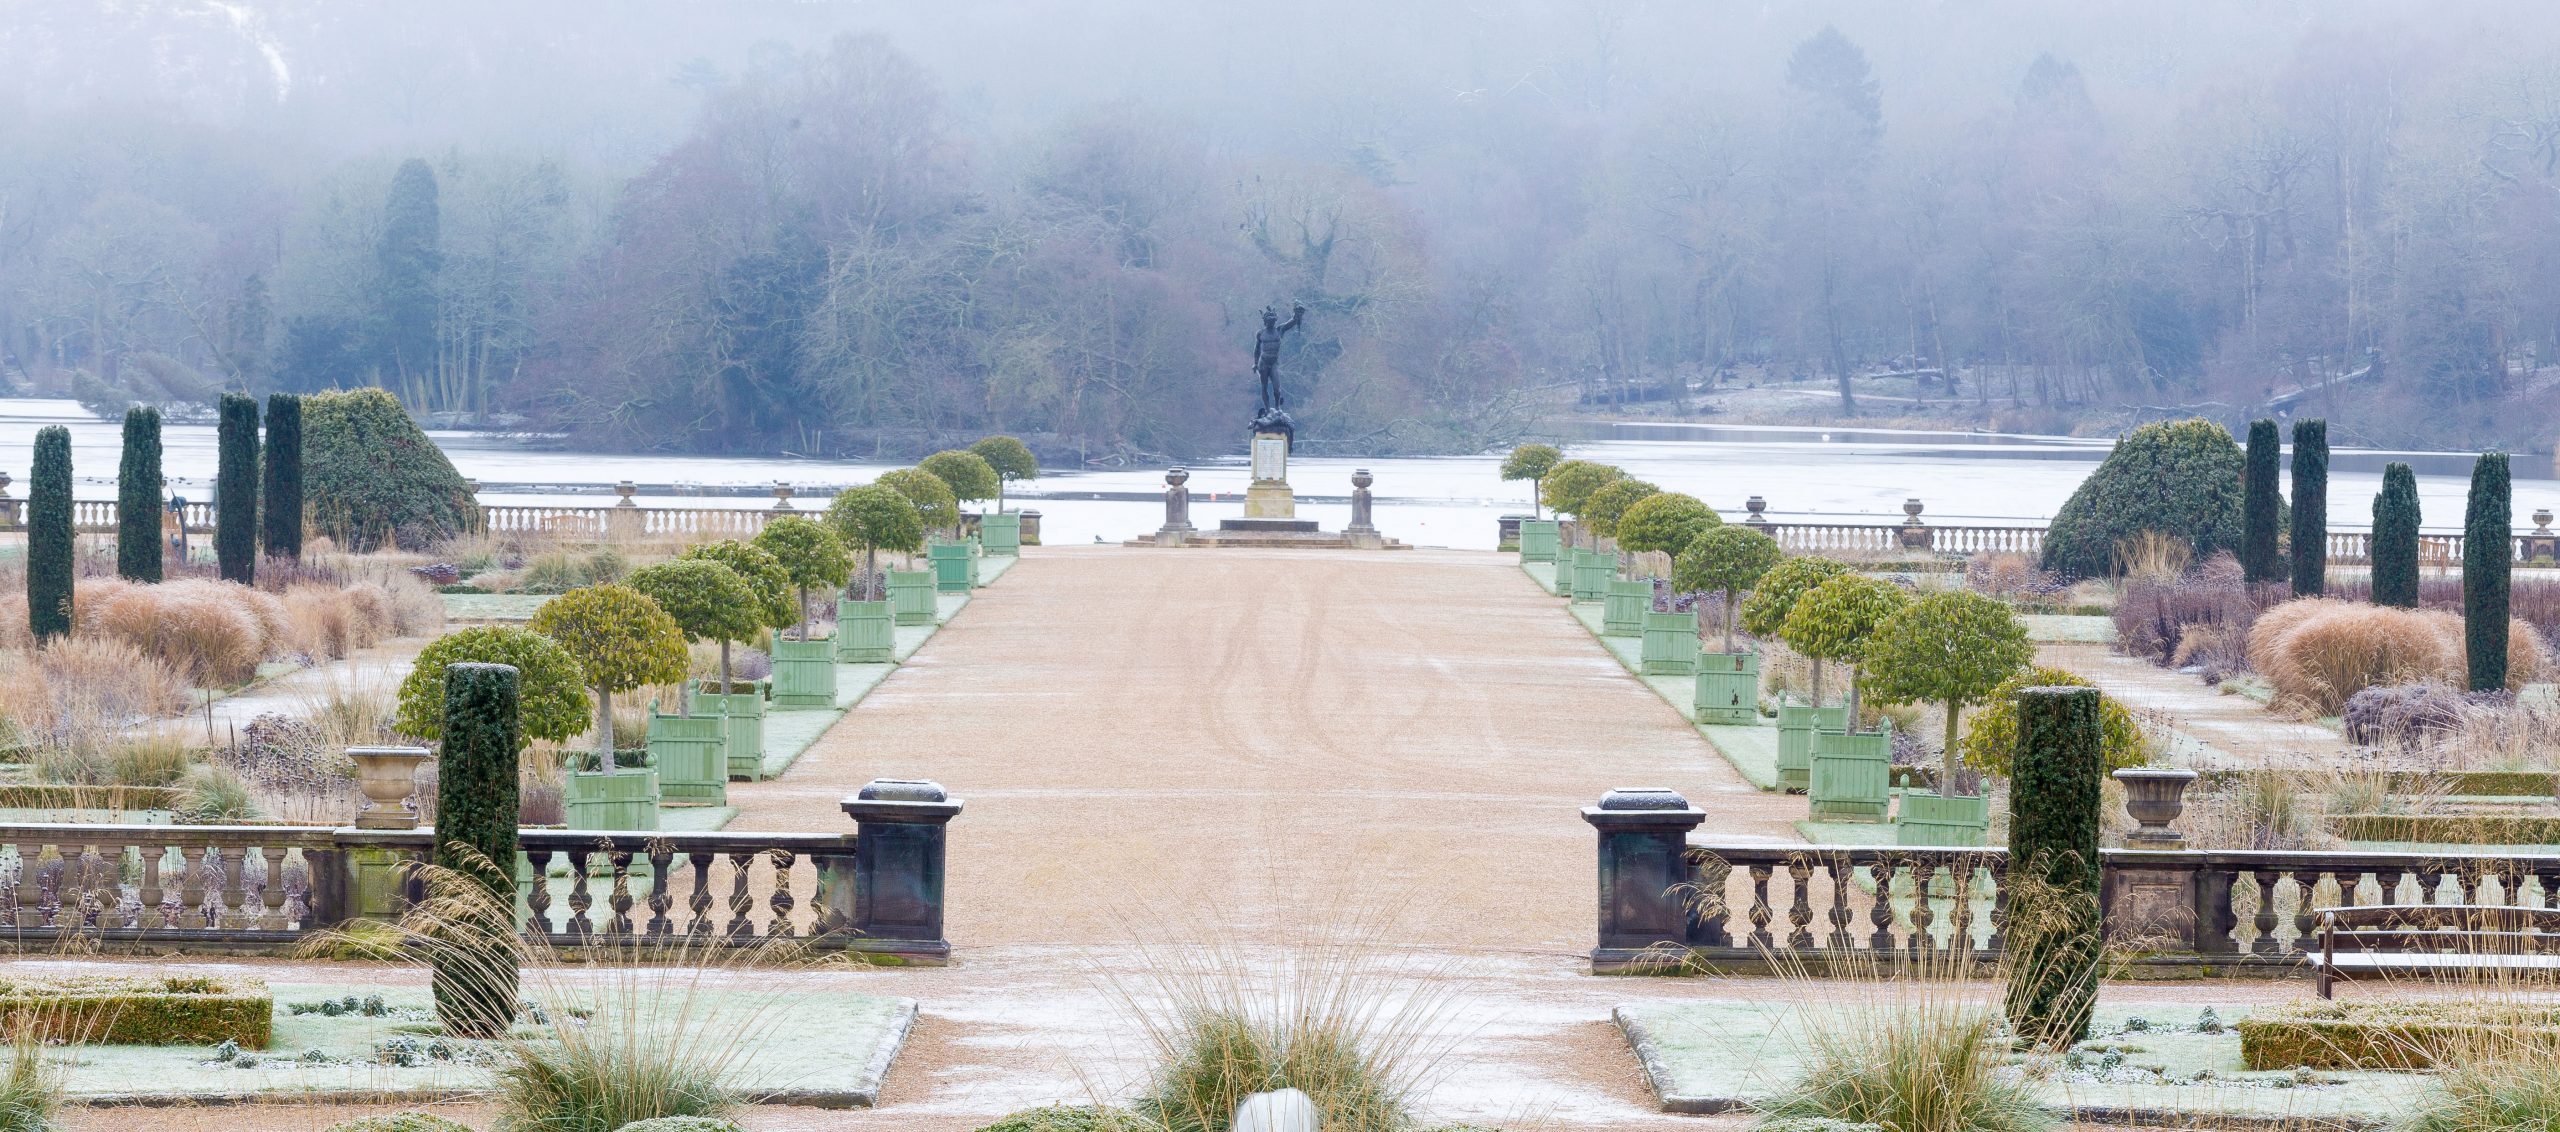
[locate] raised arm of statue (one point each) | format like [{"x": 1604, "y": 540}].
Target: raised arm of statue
[{"x": 1297, "y": 314}]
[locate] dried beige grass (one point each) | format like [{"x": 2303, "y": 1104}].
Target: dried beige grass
[
  {"x": 2317, "y": 652},
  {"x": 210, "y": 632},
  {"x": 80, "y": 692}
]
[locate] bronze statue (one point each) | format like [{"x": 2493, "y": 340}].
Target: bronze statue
[{"x": 1266, "y": 353}]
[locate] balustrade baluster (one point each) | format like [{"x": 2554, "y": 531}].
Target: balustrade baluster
[
  {"x": 662, "y": 861},
  {"x": 273, "y": 895},
  {"x": 1999, "y": 911},
  {"x": 1924, "y": 940},
  {"x": 1800, "y": 913},
  {"x": 1880, "y": 909},
  {"x": 700, "y": 901},
  {"x": 1841, "y": 874},
  {"x": 1960, "y": 906},
  {"x": 2265, "y": 922},
  {"x": 620, "y": 900},
  {"x": 782, "y": 901},
  {"x": 740, "y": 927},
  {"x": 1713, "y": 912},
  {"x": 194, "y": 910},
  {"x": 2306, "y": 912},
  {"x": 580, "y": 899},
  {"x": 151, "y": 917},
  {"x": 537, "y": 902},
  {"x": 1760, "y": 913},
  {"x": 30, "y": 885},
  {"x": 235, "y": 891},
  {"x": 107, "y": 882}
]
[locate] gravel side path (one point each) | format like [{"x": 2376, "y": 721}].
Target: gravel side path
[{"x": 2226, "y": 730}]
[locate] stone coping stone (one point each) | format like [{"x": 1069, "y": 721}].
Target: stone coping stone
[
  {"x": 821, "y": 1048},
  {"x": 1709, "y": 1057}
]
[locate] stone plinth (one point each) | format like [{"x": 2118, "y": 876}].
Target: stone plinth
[{"x": 1269, "y": 497}]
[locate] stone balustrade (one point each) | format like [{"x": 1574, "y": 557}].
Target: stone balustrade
[
  {"x": 1666, "y": 900},
  {"x": 266, "y": 889}
]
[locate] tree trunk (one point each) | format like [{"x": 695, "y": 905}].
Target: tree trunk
[
  {"x": 1537, "y": 487},
  {"x": 604, "y": 728},
  {"x": 804, "y": 613},
  {"x": 1850, "y": 723},
  {"x": 1817, "y": 683},
  {"x": 724, "y": 667},
  {"x": 1728, "y": 621},
  {"x": 1947, "y": 761}
]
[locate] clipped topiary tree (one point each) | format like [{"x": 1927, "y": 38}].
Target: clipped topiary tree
[
  {"x": 1949, "y": 648},
  {"x": 810, "y": 554},
  {"x": 551, "y": 692},
  {"x": 1011, "y": 460},
  {"x": 1728, "y": 558},
  {"x": 1991, "y": 736},
  {"x": 2488, "y": 557},
  {"x": 707, "y": 599},
  {"x": 372, "y": 477},
  {"x": 2262, "y": 505},
  {"x": 1567, "y": 487},
  {"x": 2055, "y": 932},
  {"x": 1665, "y": 521},
  {"x": 1606, "y": 506},
  {"x": 1786, "y": 583},
  {"x": 235, "y": 490},
  {"x": 621, "y": 640},
  {"x": 476, "y": 815},
  {"x": 138, "y": 485},
  {"x": 876, "y": 518},
  {"x": 2310, "y": 508},
  {"x": 2178, "y": 478},
  {"x": 1531, "y": 462},
  {"x": 764, "y": 576},
  {"x": 1837, "y": 621},
  {"x": 281, "y": 519},
  {"x": 49, "y": 536},
  {"x": 968, "y": 475},
  {"x": 934, "y": 502},
  {"x": 2395, "y": 538}
]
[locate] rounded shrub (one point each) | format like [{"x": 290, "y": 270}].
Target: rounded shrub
[
  {"x": 1781, "y": 587},
  {"x": 621, "y": 640},
  {"x": 1567, "y": 487},
  {"x": 1666, "y": 522},
  {"x": 968, "y": 474},
  {"x": 1837, "y": 621},
  {"x": 2175, "y": 478},
  {"x": 874, "y": 518},
  {"x": 400, "y": 1122},
  {"x": 1729, "y": 559},
  {"x": 933, "y": 499},
  {"x": 371, "y": 476},
  {"x": 552, "y": 691},
  {"x": 1953, "y": 649},
  {"x": 1011, "y": 459},
  {"x": 761, "y": 571},
  {"x": 1990, "y": 743},
  {"x": 1531, "y": 462},
  {"x": 1606, "y": 506},
  {"x": 811, "y": 555}
]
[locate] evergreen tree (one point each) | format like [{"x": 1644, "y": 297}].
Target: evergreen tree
[
  {"x": 2262, "y": 505},
  {"x": 2488, "y": 554},
  {"x": 2310, "y": 508},
  {"x": 476, "y": 814},
  {"x": 235, "y": 489},
  {"x": 2395, "y": 538},
  {"x": 2054, "y": 926},
  {"x": 138, "y": 485},
  {"x": 282, "y": 517},
  {"x": 49, "y": 565},
  {"x": 409, "y": 261}
]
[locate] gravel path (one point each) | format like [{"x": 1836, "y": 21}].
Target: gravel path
[{"x": 2226, "y": 730}]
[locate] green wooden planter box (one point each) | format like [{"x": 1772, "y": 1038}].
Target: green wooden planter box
[
  {"x": 744, "y": 713},
  {"x": 955, "y": 568},
  {"x": 804, "y": 673},
  {"x": 911, "y": 596},
  {"x": 619, "y": 800},
  {"x": 1001, "y": 534},
  {"x": 1538, "y": 540},
  {"x": 866, "y": 632},
  {"x": 1622, "y": 607},
  {"x": 690, "y": 754},
  {"x": 1728, "y": 691},
  {"x": 1670, "y": 643},
  {"x": 1927, "y": 819},
  {"x": 1852, "y": 775},
  {"x": 1560, "y": 580},
  {"x": 1592, "y": 571},
  {"x": 1796, "y": 725}
]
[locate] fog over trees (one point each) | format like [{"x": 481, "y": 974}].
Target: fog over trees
[{"x": 844, "y": 228}]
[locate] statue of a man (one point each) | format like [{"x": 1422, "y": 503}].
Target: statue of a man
[{"x": 1266, "y": 352}]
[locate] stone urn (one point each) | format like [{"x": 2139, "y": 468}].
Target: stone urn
[
  {"x": 387, "y": 775},
  {"x": 1177, "y": 477},
  {"x": 782, "y": 493},
  {"x": 2155, "y": 796},
  {"x": 1758, "y": 508}
]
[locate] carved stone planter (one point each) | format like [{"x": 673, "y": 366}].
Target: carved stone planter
[
  {"x": 2155, "y": 796},
  {"x": 387, "y": 775}
]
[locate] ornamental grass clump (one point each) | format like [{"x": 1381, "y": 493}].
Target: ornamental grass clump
[{"x": 31, "y": 1089}]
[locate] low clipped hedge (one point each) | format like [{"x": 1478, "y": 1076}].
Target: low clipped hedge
[
  {"x": 2450, "y": 829},
  {"x": 2377, "y": 1034},
  {"x": 186, "y": 1010},
  {"x": 400, "y": 1122},
  {"x": 2458, "y": 783},
  {"x": 683, "y": 1124},
  {"x": 64, "y": 796}
]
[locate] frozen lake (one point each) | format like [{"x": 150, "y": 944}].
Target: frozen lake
[{"x": 1845, "y": 475}]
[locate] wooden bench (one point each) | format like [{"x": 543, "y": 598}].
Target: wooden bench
[{"x": 2464, "y": 939}]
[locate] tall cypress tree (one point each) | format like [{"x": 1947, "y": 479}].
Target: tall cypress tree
[
  {"x": 2395, "y": 538},
  {"x": 2262, "y": 500},
  {"x": 235, "y": 489},
  {"x": 476, "y": 813},
  {"x": 2488, "y": 554},
  {"x": 138, "y": 485},
  {"x": 2055, "y": 929},
  {"x": 49, "y": 565},
  {"x": 2310, "y": 508},
  {"x": 283, "y": 452}
]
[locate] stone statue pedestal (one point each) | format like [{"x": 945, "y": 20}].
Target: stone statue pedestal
[
  {"x": 1269, "y": 504},
  {"x": 1270, "y": 509}
]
